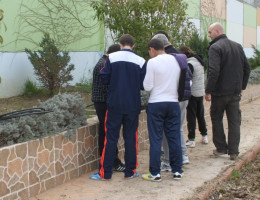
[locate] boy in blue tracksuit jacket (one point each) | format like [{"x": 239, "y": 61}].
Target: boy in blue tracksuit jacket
[{"x": 124, "y": 71}]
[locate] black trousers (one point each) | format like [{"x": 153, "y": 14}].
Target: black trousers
[
  {"x": 230, "y": 104},
  {"x": 195, "y": 110},
  {"x": 101, "y": 109}
]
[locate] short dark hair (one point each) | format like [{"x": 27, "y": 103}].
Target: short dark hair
[
  {"x": 187, "y": 51},
  {"x": 127, "y": 39},
  {"x": 156, "y": 44},
  {"x": 113, "y": 48},
  {"x": 162, "y": 32}
]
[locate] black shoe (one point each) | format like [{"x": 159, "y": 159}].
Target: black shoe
[
  {"x": 218, "y": 153},
  {"x": 233, "y": 156},
  {"x": 119, "y": 168}
]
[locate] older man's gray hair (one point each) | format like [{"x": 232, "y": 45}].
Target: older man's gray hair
[{"x": 162, "y": 38}]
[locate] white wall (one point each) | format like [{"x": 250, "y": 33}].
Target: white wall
[{"x": 15, "y": 69}]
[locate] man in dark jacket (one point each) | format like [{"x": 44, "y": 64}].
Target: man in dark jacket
[{"x": 228, "y": 74}]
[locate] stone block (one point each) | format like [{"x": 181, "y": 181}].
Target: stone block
[
  {"x": 34, "y": 190},
  {"x": 67, "y": 150},
  {"x": 73, "y": 174},
  {"x": 81, "y": 133},
  {"x": 17, "y": 186},
  {"x": 60, "y": 179},
  {"x": 58, "y": 141},
  {"x": 33, "y": 178},
  {"x": 23, "y": 195},
  {"x": 93, "y": 130},
  {"x": 15, "y": 166},
  {"x": 82, "y": 170},
  {"x": 4, "y": 189},
  {"x": 4, "y": 154},
  {"x": 14, "y": 179},
  {"x": 1, "y": 173},
  {"x": 25, "y": 165},
  {"x": 43, "y": 158},
  {"x": 51, "y": 183},
  {"x": 11, "y": 197},
  {"x": 48, "y": 143},
  {"x": 58, "y": 168},
  {"x": 25, "y": 179},
  {"x": 21, "y": 150},
  {"x": 12, "y": 155},
  {"x": 33, "y": 148}
]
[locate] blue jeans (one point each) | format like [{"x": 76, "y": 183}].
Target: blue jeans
[{"x": 164, "y": 116}]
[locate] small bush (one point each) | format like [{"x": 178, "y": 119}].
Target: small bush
[
  {"x": 254, "y": 76},
  {"x": 50, "y": 65},
  {"x": 255, "y": 60},
  {"x": 200, "y": 46},
  {"x": 30, "y": 89},
  {"x": 68, "y": 112}
]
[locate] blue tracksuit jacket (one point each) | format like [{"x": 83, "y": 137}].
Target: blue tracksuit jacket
[{"x": 124, "y": 72}]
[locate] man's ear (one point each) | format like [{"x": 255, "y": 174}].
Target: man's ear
[
  {"x": 133, "y": 47},
  {"x": 121, "y": 46}
]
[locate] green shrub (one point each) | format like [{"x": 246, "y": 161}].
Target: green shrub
[
  {"x": 30, "y": 89},
  {"x": 50, "y": 65},
  {"x": 254, "y": 77},
  {"x": 199, "y": 46},
  {"x": 255, "y": 60}
]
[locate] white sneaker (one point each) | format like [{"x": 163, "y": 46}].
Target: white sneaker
[
  {"x": 190, "y": 143},
  {"x": 185, "y": 160},
  {"x": 165, "y": 167},
  {"x": 205, "y": 139}
]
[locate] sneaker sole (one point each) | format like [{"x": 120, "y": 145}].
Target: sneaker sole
[
  {"x": 190, "y": 146},
  {"x": 100, "y": 179},
  {"x": 153, "y": 180},
  {"x": 134, "y": 176}
]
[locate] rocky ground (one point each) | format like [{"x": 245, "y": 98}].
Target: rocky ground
[{"x": 243, "y": 184}]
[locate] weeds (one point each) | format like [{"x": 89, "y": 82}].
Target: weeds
[
  {"x": 30, "y": 89},
  {"x": 235, "y": 174}
]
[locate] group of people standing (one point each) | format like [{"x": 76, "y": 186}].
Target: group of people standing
[{"x": 118, "y": 78}]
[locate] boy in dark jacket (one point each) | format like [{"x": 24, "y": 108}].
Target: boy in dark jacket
[{"x": 124, "y": 73}]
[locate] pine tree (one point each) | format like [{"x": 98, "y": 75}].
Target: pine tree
[{"x": 50, "y": 65}]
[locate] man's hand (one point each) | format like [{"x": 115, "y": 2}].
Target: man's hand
[{"x": 208, "y": 97}]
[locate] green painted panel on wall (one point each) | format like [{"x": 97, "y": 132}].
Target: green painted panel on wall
[
  {"x": 20, "y": 35},
  {"x": 207, "y": 21},
  {"x": 250, "y": 16},
  {"x": 258, "y": 47},
  {"x": 193, "y": 10}
]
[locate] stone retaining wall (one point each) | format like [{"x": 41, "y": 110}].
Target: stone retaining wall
[{"x": 30, "y": 168}]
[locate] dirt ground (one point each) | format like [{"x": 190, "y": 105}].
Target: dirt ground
[
  {"x": 243, "y": 184},
  {"x": 22, "y": 102},
  {"x": 203, "y": 168}
]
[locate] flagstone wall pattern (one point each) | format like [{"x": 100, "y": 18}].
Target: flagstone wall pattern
[{"x": 33, "y": 167}]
